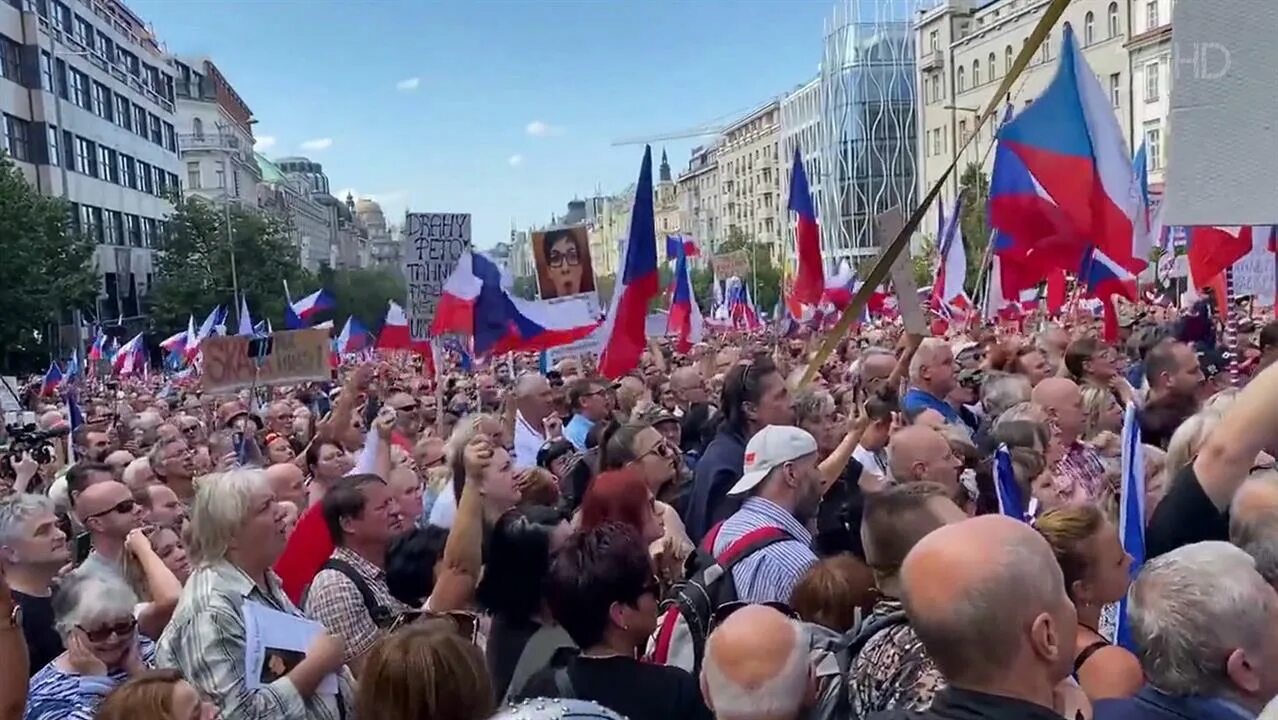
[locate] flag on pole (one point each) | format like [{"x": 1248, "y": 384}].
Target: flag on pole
[
  {"x": 1131, "y": 513},
  {"x": 1010, "y": 500},
  {"x": 52, "y": 379},
  {"x": 624, "y": 331},
  {"x": 684, "y": 321},
  {"x": 298, "y": 314},
  {"x": 246, "y": 321},
  {"x": 809, "y": 283}
]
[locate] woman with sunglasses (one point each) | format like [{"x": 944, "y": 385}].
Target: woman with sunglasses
[
  {"x": 601, "y": 590},
  {"x": 641, "y": 448},
  {"x": 93, "y": 613}
]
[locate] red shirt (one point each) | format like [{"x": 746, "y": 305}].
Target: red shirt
[{"x": 308, "y": 548}]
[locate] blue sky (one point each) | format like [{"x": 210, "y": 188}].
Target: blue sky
[{"x": 505, "y": 109}]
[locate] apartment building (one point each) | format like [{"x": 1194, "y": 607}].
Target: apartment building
[
  {"x": 801, "y": 128},
  {"x": 750, "y": 177},
  {"x": 215, "y": 135},
  {"x": 965, "y": 49},
  {"x": 87, "y": 95},
  {"x": 1152, "y": 70},
  {"x": 699, "y": 197}
]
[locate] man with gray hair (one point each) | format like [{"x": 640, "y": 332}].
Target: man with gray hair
[
  {"x": 1204, "y": 624},
  {"x": 1253, "y": 522},
  {"x": 1002, "y": 391},
  {"x": 756, "y": 667},
  {"x": 932, "y": 379},
  {"x": 33, "y": 549},
  {"x": 237, "y": 534}
]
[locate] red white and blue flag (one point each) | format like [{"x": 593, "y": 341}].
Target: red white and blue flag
[
  {"x": 353, "y": 337},
  {"x": 809, "y": 283},
  {"x": 684, "y": 321},
  {"x": 131, "y": 357},
  {"x": 624, "y": 330},
  {"x": 395, "y": 334},
  {"x": 741, "y": 308},
  {"x": 474, "y": 304},
  {"x": 948, "y": 296},
  {"x": 52, "y": 379},
  {"x": 299, "y": 314}
]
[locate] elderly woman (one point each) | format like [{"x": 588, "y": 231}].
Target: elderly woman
[
  {"x": 237, "y": 533},
  {"x": 93, "y": 614}
]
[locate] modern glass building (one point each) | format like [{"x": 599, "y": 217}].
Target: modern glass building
[{"x": 868, "y": 129}]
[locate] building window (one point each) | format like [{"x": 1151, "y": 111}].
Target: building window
[
  {"x": 1114, "y": 28},
  {"x": 1152, "y": 84},
  {"x": 193, "y": 176},
  {"x": 1009, "y": 58},
  {"x": 157, "y": 135},
  {"x": 127, "y": 178},
  {"x": 1151, "y": 15},
  {"x": 17, "y": 137},
  {"x": 111, "y": 229},
  {"x": 161, "y": 183},
  {"x": 934, "y": 40},
  {"x": 148, "y": 232},
  {"x": 173, "y": 183},
  {"x": 106, "y": 48},
  {"x": 962, "y": 132},
  {"x": 84, "y": 32},
  {"x": 106, "y": 163},
  {"x": 10, "y": 60},
  {"x": 92, "y": 222},
  {"x": 170, "y": 137},
  {"x": 139, "y": 120},
  {"x": 1154, "y": 147},
  {"x": 86, "y": 160},
  {"x": 962, "y": 79},
  {"x": 79, "y": 88},
  {"x": 1045, "y": 52},
  {"x": 133, "y": 231},
  {"x": 1089, "y": 29},
  {"x": 103, "y": 102},
  {"x": 55, "y": 148},
  {"x": 145, "y": 183},
  {"x": 46, "y": 71},
  {"x": 993, "y": 67},
  {"x": 68, "y": 150},
  {"x": 976, "y": 73},
  {"x": 197, "y": 127},
  {"x": 63, "y": 15},
  {"x": 220, "y": 177},
  {"x": 1116, "y": 89},
  {"x": 124, "y": 112}
]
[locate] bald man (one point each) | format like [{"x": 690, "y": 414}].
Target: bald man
[
  {"x": 918, "y": 453},
  {"x": 1080, "y": 471},
  {"x": 756, "y": 667},
  {"x": 987, "y": 598},
  {"x": 288, "y": 483},
  {"x": 875, "y": 367},
  {"x": 689, "y": 388}
]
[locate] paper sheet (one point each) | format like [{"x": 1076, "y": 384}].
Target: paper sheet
[{"x": 274, "y": 643}]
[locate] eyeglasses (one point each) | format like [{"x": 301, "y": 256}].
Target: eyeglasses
[
  {"x": 558, "y": 259},
  {"x": 121, "y": 629},
  {"x": 662, "y": 448},
  {"x": 724, "y": 611},
  {"x": 407, "y": 408},
  {"x": 124, "y": 507}
]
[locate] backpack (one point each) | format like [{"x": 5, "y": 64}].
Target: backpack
[
  {"x": 381, "y": 615},
  {"x": 832, "y": 654},
  {"x": 686, "y": 615}
]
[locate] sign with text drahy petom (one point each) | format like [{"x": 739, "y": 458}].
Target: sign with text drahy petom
[
  {"x": 433, "y": 242},
  {"x": 296, "y": 356}
]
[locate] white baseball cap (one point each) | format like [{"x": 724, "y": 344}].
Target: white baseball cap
[{"x": 771, "y": 447}]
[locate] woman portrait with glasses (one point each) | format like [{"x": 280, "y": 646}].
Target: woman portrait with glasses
[
  {"x": 563, "y": 267},
  {"x": 93, "y": 613}
]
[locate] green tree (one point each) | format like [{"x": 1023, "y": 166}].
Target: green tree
[
  {"x": 974, "y": 220},
  {"x": 525, "y": 287},
  {"x": 365, "y": 293},
  {"x": 923, "y": 261},
  {"x": 763, "y": 279},
  {"x": 50, "y": 271},
  {"x": 193, "y": 265}
]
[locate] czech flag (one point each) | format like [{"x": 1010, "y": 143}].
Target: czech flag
[
  {"x": 474, "y": 304},
  {"x": 298, "y": 314},
  {"x": 810, "y": 281},
  {"x": 684, "y": 321},
  {"x": 353, "y": 337},
  {"x": 1213, "y": 250},
  {"x": 951, "y": 270},
  {"x": 395, "y": 334},
  {"x": 1131, "y": 513},
  {"x": 680, "y": 245},
  {"x": 740, "y": 308},
  {"x": 1104, "y": 278},
  {"x": 131, "y": 357},
  {"x": 1073, "y": 149},
  {"x": 95, "y": 350},
  {"x": 624, "y": 329},
  {"x": 52, "y": 379},
  {"x": 176, "y": 343}
]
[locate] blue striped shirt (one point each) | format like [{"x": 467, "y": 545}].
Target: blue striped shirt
[
  {"x": 770, "y": 574},
  {"x": 56, "y": 694}
]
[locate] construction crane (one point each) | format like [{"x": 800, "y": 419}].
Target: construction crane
[{"x": 699, "y": 131}]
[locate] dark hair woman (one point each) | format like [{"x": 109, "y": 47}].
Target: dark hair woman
[{"x": 602, "y": 591}]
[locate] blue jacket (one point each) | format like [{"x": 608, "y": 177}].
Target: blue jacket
[
  {"x": 1150, "y": 704},
  {"x": 916, "y": 401},
  {"x": 720, "y": 467}
]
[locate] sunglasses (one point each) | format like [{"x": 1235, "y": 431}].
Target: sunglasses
[
  {"x": 662, "y": 448},
  {"x": 121, "y": 629},
  {"x": 465, "y": 624},
  {"x": 124, "y": 507},
  {"x": 407, "y": 408},
  {"x": 724, "y": 611}
]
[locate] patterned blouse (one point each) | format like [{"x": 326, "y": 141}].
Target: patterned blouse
[
  {"x": 893, "y": 670},
  {"x": 55, "y": 694}
]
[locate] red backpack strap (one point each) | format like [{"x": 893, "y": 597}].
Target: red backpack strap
[
  {"x": 707, "y": 542},
  {"x": 748, "y": 544}
]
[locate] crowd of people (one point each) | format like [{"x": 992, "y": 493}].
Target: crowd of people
[{"x": 706, "y": 537}]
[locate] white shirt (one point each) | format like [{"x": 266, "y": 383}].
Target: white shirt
[
  {"x": 444, "y": 509},
  {"x": 870, "y": 461},
  {"x": 528, "y": 443}
]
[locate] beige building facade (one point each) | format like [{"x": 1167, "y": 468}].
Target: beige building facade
[
  {"x": 965, "y": 49},
  {"x": 750, "y": 177},
  {"x": 699, "y": 195}
]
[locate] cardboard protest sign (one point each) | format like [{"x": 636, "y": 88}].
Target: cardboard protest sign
[
  {"x": 886, "y": 227},
  {"x": 732, "y": 264},
  {"x": 433, "y": 242},
  {"x": 297, "y": 356}
]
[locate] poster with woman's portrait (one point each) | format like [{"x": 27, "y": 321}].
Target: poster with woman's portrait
[{"x": 562, "y": 257}]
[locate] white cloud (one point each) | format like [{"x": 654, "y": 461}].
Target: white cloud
[
  {"x": 408, "y": 84},
  {"x": 538, "y": 128},
  {"x": 264, "y": 143},
  {"x": 318, "y": 144},
  {"x": 515, "y": 160}
]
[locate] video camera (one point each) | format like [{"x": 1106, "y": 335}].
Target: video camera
[{"x": 27, "y": 439}]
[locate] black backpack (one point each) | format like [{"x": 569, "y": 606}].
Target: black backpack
[{"x": 686, "y": 615}]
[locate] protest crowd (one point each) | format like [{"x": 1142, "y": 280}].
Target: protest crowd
[{"x": 1067, "y": 511}]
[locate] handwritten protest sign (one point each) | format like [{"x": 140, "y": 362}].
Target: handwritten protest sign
[
  {"x": 297, "y": 356},
  {"x": 735, "y": 263},
  {"x": 432, "y": 244},
  {"x": 887, "y": 226},
  {"x": 1254, "y": 275}
]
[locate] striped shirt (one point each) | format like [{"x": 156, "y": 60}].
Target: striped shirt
[
  {"x": 56, "y": 694},
  {"x": 770, "y": 574},
  {"x": 205, "y": 641},
  {"x": 1080, "y": 471},
  {"x": 334, "y": 600}
]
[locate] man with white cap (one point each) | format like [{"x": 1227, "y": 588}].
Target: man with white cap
[{"x": 782, "y": 487}]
